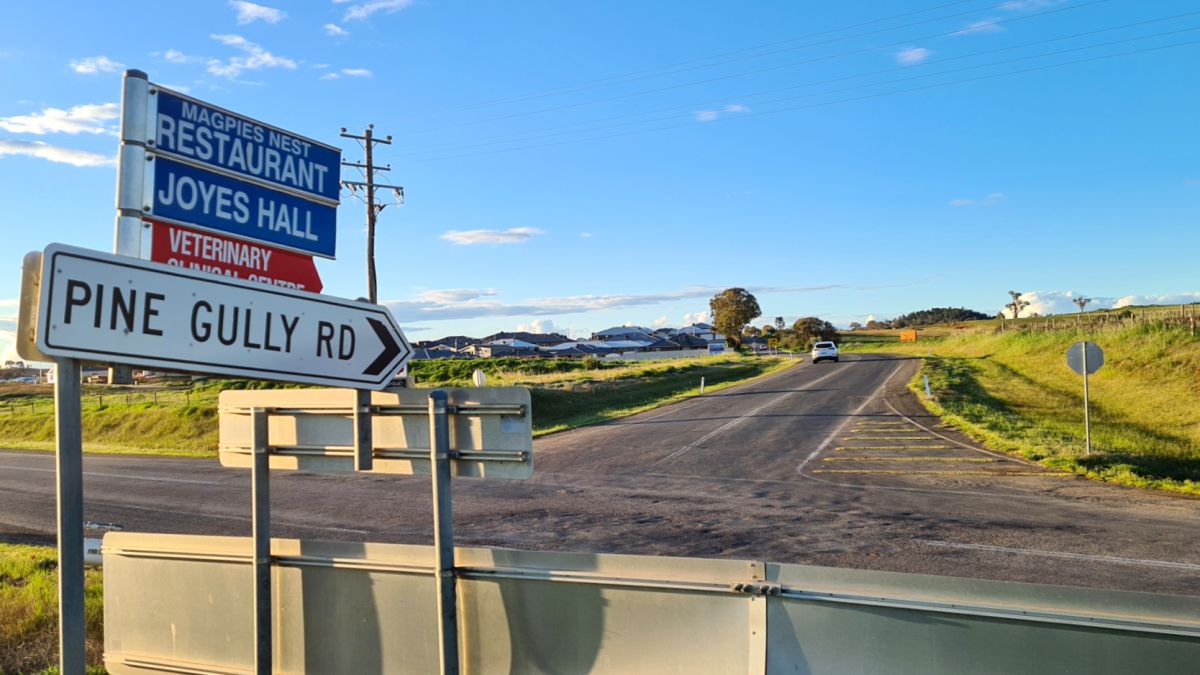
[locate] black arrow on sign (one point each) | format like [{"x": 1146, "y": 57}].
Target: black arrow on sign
[{"x": 390, "y": 348}]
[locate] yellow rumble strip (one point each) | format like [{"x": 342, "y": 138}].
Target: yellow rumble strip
[
  {"x": 851, "y": 448},
  {"x": 911, "y": 458},
  {"x": 903, "y": 472}
]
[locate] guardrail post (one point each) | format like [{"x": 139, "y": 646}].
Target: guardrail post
[
  {"x": 261, "y": 498},
  {"x": 72, "y": 658},
  {"x": 364, "y": 457},
  {"x": 443, "y": 532}
]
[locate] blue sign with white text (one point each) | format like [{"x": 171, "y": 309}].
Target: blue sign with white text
[
  {"x": 210, "y": 200},
  {"x": 239, "y": 145}
]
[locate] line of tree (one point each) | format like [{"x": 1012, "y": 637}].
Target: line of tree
[
  {"x": 734, "y": 308},
  {"x": 925, "y": 317}
]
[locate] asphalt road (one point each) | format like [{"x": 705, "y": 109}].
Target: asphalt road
[{"x": 830, "y": 464}]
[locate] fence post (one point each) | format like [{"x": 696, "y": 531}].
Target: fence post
[{"x": 155, "y": 395}]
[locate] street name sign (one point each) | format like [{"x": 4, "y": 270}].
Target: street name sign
[
  {"x": 1075, "y": 357},
  {"x": 224, "y": 141},
  {"x": 184, "y": 194},
  {"x": 208, "y": 252},
  {"x": 114, "y": 309},
  {"x": 188, "y": 162}
]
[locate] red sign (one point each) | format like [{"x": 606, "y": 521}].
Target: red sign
[{"x": 207, "y": 252}]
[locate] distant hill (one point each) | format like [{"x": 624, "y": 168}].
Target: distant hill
[{"x": 936, "y": 315}]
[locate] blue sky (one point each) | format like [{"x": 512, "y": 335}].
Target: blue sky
[{"x": 582, "y": 165}]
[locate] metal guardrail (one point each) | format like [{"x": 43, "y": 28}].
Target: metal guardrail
[{"x": 343, "y": 607}]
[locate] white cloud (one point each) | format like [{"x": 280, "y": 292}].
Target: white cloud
[
  {"x": 348, "y": 72},
  {"x": 1021, "y": 5},
  {"x": 711, "y": 115},
  {"x": 989, "y": 25},
  {"x": 660, "y": 321},
  {"x": 334, "y": 30},
  {"x": 257, "y": 58},
  {"x": 366, "y": 9},
  {"x": 696, "y": 317},
  {"x": 1062, "y": 302},
  {"x": 472, "y": 303},
  {"x": 586, "y": 235},
  {"x": 513, "y": 235},
  {"x": 911, "y": 56},
  {"x": 453, "y": 295},
  {"x": 96, "y": 64},
  {"x": 541, "y": 326},
  {"x": 992, "y": 199},
  {"x": 81, "y": 119},
  {"x": 8, "y": 346},
  {"x": 176, "y": 56},
  {"x": 181, "y": 88},
  {"x": 54, "y": 153},
  {"x": 248, "y": 12},
  {"x": 1169, "y": 299}
]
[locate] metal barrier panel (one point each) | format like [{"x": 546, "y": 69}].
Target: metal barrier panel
[
  {"x": 182, "y": 604},
  {"x": 313, "y": 430}
]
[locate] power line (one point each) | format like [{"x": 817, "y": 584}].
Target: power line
[
  {"x": 839, "y": 101},
  {"x": 758, "y": 71},
  {"x": 572, "y": 127},
  {"x": 653, "y": 72}
]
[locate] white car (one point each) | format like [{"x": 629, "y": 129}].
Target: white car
[{"x": 824, "y": 351}]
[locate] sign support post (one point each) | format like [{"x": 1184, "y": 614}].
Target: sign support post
[
  {"x": 69, "y": 471},
  {"x": 364, "y": 447},
  {"x": 261, "y": 498},
  {"x": 443, "y": 532},
  {"x": 1085, "y": 358},
  {"x": 1087, "y": 415}
]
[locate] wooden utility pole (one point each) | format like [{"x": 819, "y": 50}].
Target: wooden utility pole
[{"x": 369, "y": 186}]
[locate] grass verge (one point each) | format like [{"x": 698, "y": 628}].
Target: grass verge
[
  {"x": 1014, "y": 392},
  {"x": 29, "y": 611},
  {"x": 566, "y": 394}
]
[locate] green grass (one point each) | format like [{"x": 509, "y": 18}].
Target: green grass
[
  {"x": 1013, "y": 391},
  {"x": 29, "y": 611},
  {"x": 566, "y": 393}
]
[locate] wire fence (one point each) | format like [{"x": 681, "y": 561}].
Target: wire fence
[
  {"x": 1184, "y": 317},
  {"x": 156, "y": 398}
]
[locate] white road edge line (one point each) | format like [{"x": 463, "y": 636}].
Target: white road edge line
[
  {"x": 1062, "y": 554},
  {"x": 736, "y": 421},
  {"x": 159, "y": 479},
  {"x": 838, "y": 429}
]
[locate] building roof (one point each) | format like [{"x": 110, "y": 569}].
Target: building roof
[
  {"x": 622, "y": 330},
  {"x": 452, "y": 341},
  {"x": 539, "y": 339}
]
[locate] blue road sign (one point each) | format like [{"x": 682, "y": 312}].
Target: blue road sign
[
  {"x": 189, "y": 196},
  {"x": 230, "y": 143}
]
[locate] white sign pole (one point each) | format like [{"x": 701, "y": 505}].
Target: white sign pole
[
  {"x": 69, "y": 473},
  {"x": 1087, "y": 418}
]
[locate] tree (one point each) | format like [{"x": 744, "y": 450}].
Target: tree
[
  {"x": 768, "y": 330},
  {"x": 1017, "y": 304},
  {"x": 732, "y": 309},
  {"x": 1081, "y": 302},
  {"x": 854, "y": 325},
  {"x": 810, "y": 329},
  {"x": 779, "y": 324},
  {"x": 751, "y": 331}
]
